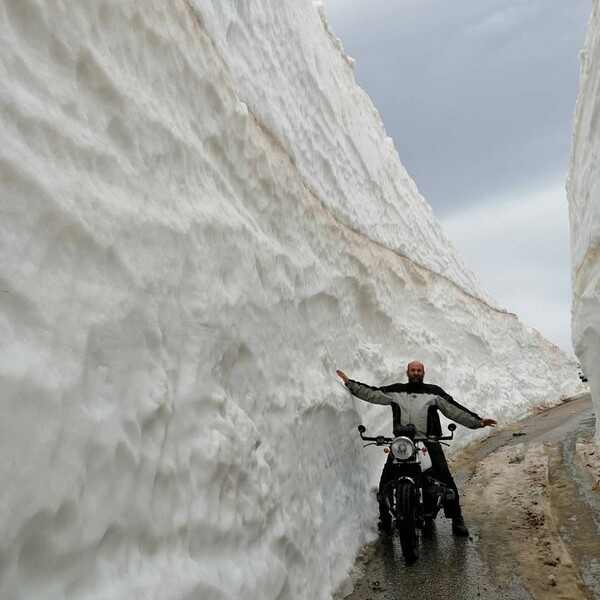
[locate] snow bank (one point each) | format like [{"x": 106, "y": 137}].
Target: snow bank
[
  {"x": 583, "y": 191},
  {"x": 202, "y": 218}
]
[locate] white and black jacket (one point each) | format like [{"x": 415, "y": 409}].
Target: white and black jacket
[{"x": 417, "y": 403}]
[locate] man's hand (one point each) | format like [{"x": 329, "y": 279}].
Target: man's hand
[
  {"x": 343, "y": 375},
  {"x": 487, "y": 422}
]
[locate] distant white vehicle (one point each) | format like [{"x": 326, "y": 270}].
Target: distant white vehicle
[{"x": 581, "y": 374}]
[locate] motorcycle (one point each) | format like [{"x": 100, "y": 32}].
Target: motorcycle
[{"x": 414, "y": 497}]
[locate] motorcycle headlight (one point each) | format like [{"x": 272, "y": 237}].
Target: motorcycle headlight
[{"x": 402, "y": 448}]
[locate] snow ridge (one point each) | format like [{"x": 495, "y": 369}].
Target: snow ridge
[{"x": 583, "y": 189}]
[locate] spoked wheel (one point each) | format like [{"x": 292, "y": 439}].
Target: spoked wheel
[{"x": 405, "y": 520}]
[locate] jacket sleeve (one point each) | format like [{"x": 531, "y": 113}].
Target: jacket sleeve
[
  {"x": 368, "y": 393},
  {"x": 455, "y": 411}
]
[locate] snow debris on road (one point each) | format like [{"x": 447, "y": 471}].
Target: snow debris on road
[
  {"x": 508, "y": 498},
  {"x": 588, "y": 453}
]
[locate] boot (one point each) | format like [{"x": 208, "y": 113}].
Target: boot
[
  {"x": 385, "y": 526},
  {"x": 385, "y": 520},
  {"x": 459, "y": 528},
  {"x": 428, "y": 527}
]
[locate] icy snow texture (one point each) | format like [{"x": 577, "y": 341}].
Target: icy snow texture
[
  {"x": 202, "y": 218},
  {"x": 583, "y": 192}
]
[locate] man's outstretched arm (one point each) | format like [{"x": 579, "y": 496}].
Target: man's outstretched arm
[{"x": 363, "y": 391}]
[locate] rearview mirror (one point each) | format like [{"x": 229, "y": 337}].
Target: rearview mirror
[
  {"x": 452, "y": 427},
  {"x": 361, "y": 429}
]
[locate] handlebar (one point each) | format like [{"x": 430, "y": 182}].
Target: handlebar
[{"x": 381, "y": 440}]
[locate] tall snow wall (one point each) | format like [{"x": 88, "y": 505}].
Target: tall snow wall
[
  {"x": 202, "y": 217},
  {"x": 583, "y": 193}
]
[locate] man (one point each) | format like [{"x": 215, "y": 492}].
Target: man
[{"x": 418, "y": 403}]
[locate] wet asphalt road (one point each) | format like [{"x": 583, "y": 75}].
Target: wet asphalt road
[
  {"x": 448, "y": 567},
  {"x": 453, "y": 568}
]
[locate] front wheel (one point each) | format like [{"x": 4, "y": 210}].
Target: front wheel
[{"x": 406, "y": 519}]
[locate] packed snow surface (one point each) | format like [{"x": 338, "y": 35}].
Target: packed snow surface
[
  {"x": 583, "y": 192},
  {"x": 203, "y": 217}
]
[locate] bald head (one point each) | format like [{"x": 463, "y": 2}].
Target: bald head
[
  {"x": 415, "y": 371},
  {"x": 415, "y": 363}
]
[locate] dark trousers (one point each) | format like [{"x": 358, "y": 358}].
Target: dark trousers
[{"x": 441, "y": 472}]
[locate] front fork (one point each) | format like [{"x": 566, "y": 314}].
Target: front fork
[{"x": 389, "y": 495}]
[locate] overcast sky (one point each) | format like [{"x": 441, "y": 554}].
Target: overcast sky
[{"x": 478, "y": 96}]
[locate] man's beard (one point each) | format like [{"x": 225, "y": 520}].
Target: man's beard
[{"x": 415, "y": 380}]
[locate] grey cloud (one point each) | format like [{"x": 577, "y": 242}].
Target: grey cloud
[{"x": 478, "y": 96}]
